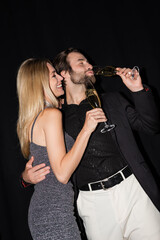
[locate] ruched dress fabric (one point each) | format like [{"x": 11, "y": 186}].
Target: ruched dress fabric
[{"x": 51, "y": 210}]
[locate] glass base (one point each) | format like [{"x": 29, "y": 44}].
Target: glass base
[{"x": 107, "y": 128}]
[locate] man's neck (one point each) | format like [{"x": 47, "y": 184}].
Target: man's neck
[{"x": 76, "y": 94}]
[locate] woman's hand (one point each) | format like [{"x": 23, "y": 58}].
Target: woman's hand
[{"x": 93, "y": 117}]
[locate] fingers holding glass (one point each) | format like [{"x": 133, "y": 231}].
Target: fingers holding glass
[{"x": 129, "y": 73}]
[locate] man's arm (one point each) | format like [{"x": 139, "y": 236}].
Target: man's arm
[
  {"x": 145, "y": 115},
  {"x": 33, "y": 175}
]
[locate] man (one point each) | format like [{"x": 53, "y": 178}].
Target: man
[{"x": 118, "y": 197}]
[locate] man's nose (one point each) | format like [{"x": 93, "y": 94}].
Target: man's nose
[{"x": 90, "y": 66}]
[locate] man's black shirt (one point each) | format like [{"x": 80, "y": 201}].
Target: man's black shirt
[{"x": 102, "y": 157}]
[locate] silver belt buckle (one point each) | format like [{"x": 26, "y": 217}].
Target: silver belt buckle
[{"x": 103, "y": 185}]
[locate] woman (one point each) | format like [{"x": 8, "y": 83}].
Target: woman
[{"x": 40, "y": 132}]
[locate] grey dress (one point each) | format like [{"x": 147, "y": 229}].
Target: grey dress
[{"x": 51, "y": 211}]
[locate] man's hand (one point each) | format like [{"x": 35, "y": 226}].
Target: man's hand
[
  {"x": 35, "y": 174},
  {"x": 133, "y": 85}
]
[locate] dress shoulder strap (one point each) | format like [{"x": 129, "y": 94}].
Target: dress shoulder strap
[{"x": 33, "y": 125}]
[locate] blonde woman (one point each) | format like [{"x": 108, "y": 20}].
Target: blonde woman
[{"x": 40, "y": 133}]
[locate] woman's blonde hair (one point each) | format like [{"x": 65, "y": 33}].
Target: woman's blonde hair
[{"x": 32, "y": 83}]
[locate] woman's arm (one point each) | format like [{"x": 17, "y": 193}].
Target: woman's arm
[{"x": 63, "y": 164}]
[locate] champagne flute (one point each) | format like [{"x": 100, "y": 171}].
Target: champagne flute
[
  {"x": 135, "y": 72},
  {"x": 94, "y": 101},
  {"x": 109, "y": 71}
]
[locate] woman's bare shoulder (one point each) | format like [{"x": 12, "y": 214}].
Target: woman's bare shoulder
[
  {"x": 51, "y": 114},
  {"x": 51, "y": 111}
]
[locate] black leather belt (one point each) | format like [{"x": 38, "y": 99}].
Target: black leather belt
[{"x": 109, "y": 182}]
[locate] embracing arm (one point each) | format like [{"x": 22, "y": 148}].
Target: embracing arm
[
  {"x": 63, "y": 164},
  {"x": 33, "y": 175}
]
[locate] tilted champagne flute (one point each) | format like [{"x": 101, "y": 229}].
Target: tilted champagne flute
[
  {"x": 135, "y": 72},
  {"x": 109, "y": 71},
  {"x": 94, "y": 101}
]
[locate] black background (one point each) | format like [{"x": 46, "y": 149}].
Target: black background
[{"x": 119, "y": 33}]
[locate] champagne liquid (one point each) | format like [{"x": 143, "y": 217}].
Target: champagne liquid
[
  {"x": 93, "y": 98},
  {"x": 107, "y": 71}
]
